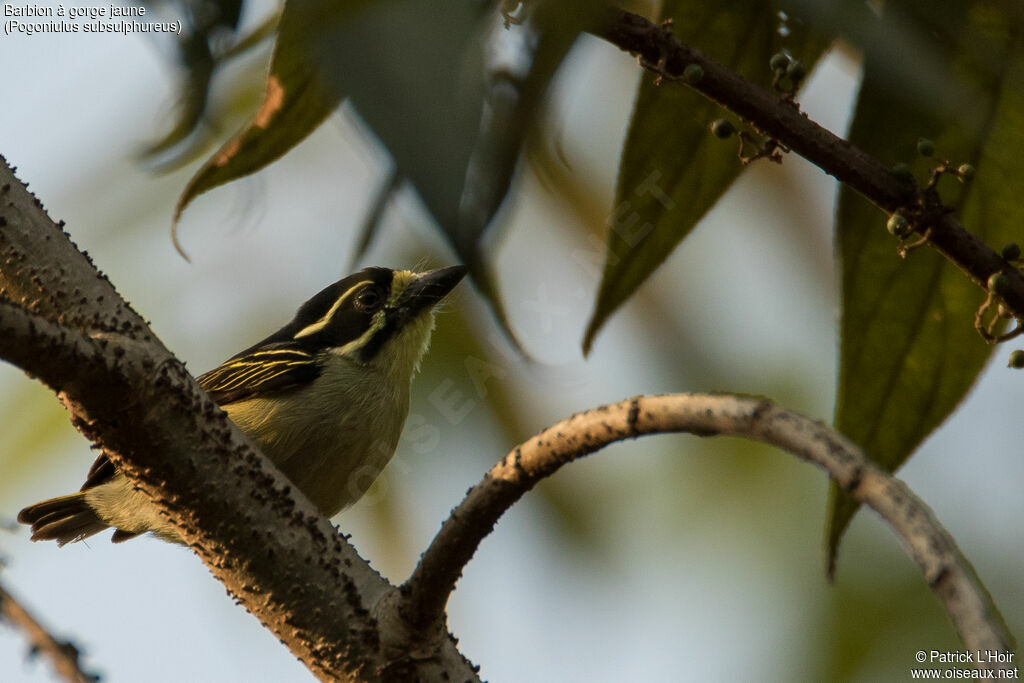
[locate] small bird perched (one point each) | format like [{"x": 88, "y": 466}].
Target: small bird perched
[{"x": 325, "y": 398}]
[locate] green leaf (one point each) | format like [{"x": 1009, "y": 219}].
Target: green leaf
[
  {"x": 448, "y": 90},
  {"x": 908, "y": 351},
  {"x": 673, "y": 170},
  {"x": 298, "y": 98}
]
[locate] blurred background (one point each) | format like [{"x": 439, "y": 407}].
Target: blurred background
[{"x": 666, "y": 558}]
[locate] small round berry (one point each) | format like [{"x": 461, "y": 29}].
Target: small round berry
[
  {"x": 898, "y": 225},
  {"x": 693, "y": 73},
  {"x": 1011, "y": 251},
  {"x": 722, "y": 128},
  {"x": 796, "y": 71},
  {"x": 902, "y": 172},
  {"x": 925, "y": 147},
  {"x": 966, "y": 172},
  {"x": 779, "y": 61},
  {"x": 1016, "y": 359},
  {"x": 998, "y": 283}
]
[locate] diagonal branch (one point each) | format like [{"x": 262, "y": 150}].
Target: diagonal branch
[
  {"x": 949, "y": 574},
  {"x": 55, "y": 354},
  {"x": 61, "y": 653},
  {"x": 62, "y": 322},
  {"x": 664, "y": 54}
]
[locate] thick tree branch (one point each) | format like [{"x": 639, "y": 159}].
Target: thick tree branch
[
  {"x": 61, "y": 653},
  {"x": 661, "y": 52},
  {"x": 945, "y": 569},
  {"x": 62, "y": 322}
]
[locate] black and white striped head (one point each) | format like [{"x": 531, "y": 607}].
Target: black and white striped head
[{"x": 365, "y": 313}]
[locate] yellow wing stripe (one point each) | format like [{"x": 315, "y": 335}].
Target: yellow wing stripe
[
  {"x": 233, "y": 380},
  {"x": 254, "y": 369},
  {"x": 258, "y": 354}
]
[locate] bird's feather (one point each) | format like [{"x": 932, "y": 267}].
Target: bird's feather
[{"x": 256, "y": 373}]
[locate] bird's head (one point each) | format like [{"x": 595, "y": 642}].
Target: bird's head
[{"x": 377, "y": 316}]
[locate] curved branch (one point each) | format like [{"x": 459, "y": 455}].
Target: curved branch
[
  {"x": 949, "y": 574},
  {"x": 61, "y": 653},
  {"x": 664, "y": 54}
]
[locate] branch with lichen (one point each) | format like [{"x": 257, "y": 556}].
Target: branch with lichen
[{"x": 944, "y": 567}]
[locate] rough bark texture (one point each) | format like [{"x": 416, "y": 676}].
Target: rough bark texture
[{"x": 64, "y": 323}]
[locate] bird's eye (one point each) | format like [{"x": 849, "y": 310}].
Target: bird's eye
[{"x": 369, "y": 300}]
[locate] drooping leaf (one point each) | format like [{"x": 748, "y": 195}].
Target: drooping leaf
[
  {"x": 908, "y": 349},
  {"x": 298, "y": 98},
  {"x": 416, "y": 73},
  {"x": 673, "y": 170},
  {"x": 449, "y": 91},
  {"x": 206, "y": 21}
]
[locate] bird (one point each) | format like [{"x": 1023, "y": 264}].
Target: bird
[{"x": 324, "y": 398}]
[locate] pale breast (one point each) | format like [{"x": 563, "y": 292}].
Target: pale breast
[{"x": 334, "y": 439}]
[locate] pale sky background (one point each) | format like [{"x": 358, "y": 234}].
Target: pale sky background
[{"x": 702, "y": 571}]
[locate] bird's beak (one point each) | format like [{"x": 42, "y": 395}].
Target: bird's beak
[{"x": 430, "y": 287}]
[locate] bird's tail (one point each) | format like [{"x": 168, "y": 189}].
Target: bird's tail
[{"x": 65, "y": 519}]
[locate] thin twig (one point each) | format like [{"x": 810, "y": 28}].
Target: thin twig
[
  {"x": 944, "y": 568},
  {"x": 61, "y": 653},
  {"x": 775, "y": 117}
]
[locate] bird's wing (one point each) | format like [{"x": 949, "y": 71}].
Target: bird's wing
[
  {"x": 258, "y": 372},
  {"x": 249, "y": 374}
]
